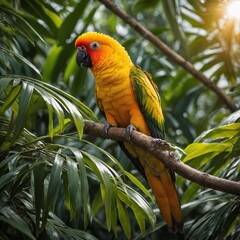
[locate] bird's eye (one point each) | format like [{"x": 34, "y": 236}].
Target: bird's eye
[
  {"x": 94, "y": 45},
  {"x": 82, "y": 48}
]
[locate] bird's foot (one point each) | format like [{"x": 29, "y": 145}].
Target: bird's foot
[
  {"x": 106, "y": 128},
  {"x": 129, "y": 131}
]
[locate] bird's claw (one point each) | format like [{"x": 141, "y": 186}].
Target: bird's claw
[
  {"x": 162, "y": 143},
  {"x": 129, "y": 131},
  {"x": 106, "y": 128}
]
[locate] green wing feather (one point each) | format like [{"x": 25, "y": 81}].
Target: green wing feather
[{"x": 148, "y": 100}]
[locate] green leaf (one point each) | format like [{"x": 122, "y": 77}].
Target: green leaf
[
  {"x": 3, "y": 84},
  {"x": 42, "y": 11},
  {"x": 21, "y": 180},
  {"x": 140, "y": 220},
  {"x": 75, "y": 114},
  {"x": 69, "y": 24},
  {"x": 20, "y": 57},
  {"x": 190, "y": 193},
  {"x": 50, "y": 71},
  {"x": 73, "y": 185},
  {"x": 124, "y": 218},
  {"x": 64, "y": 230},
  {"x": 226, "y": 131},
  {"x": 84, "y": 184},
  {"x": 214, "y": 220},
  {"x": 24, "y": 101},
  {"x": 53, "y": 187},
  {"x": 232, "y": 118},
  {"x": 142, "y": 210},
  {"x": 9, "y": 177},
  {"x": 106, "y": 186},
  {"x": 204, "y": 152},
  {"x": 97, "y": 203},
  {"x": 27, "y": 26},
  {"x": 138, "y": 184},
  {"x": 12, "y": 218},
  {"x": 53, "y": 106},
  {"x": 11, "y": 97},
  {"x": 172, "y": 11},
  {"x": 39, "y": 174},
  {"x": 112, "y": 23},
  {"x": 64, "y": 97},
  {"x": 54, "y": 182}
]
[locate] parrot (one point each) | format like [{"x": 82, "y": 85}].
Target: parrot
[{"x": 128, "y": 98}]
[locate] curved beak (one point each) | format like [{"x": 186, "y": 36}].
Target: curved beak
[{"x": 83, "y": 59}]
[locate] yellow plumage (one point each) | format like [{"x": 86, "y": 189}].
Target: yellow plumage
[{"x": 127, "y": 96}]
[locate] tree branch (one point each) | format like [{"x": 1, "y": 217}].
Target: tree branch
[
  {"x": 158, "y": 148},
  {"x": 169, "y": 52}
]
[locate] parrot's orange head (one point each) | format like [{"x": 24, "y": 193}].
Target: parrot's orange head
[{"x": 97, "y": 50}]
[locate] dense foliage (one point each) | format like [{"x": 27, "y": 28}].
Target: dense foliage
[{"x": 56, "y": 182}]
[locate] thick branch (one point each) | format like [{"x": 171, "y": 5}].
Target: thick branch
[
  {"x": 169, "y": 52},
  {"x": 158, "y": 149}
]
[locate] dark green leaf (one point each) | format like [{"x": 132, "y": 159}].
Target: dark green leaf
[{"x": 12, "y": 218}]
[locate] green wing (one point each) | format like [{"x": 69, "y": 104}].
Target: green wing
[{"x": 148, "y": 100}]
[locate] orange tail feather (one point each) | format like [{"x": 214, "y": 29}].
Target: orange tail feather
[{"x": 166, "y": 197}]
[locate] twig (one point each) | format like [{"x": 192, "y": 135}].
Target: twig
[
  {"x": 169, "y": 52},
  {"x": 156, "y": 148}
]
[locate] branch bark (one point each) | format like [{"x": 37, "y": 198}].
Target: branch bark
[
  {"x": 158, "y": 148},
  {"x": 169, "y": 52}
]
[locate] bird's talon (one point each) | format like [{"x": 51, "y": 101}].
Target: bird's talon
[
  {"x": 162, "y": 143},
  {"x": 106, "y": 128},
  {"x": 129, "y": 131}
]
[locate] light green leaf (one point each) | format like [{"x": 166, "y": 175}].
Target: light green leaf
[
  {"x": 3, "y": 84},
  {"x": 226, "y": 131},
  {"x": 97, "y": 203},
  {"x": 204, "y": 150},
  {"x": 140, "y": 220},
  {"x": 11, "y": 97},
  {"x": 50, "y": 71}
]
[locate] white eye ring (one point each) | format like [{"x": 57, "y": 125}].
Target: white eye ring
[
  {"x": 82, "y": 48},
  {"x": 94, "y": 45}
]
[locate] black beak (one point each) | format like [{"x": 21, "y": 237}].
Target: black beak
[{"x": 83, "y": 59}]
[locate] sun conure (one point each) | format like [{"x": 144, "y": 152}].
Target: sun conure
[{"x": 128, "y": 98}]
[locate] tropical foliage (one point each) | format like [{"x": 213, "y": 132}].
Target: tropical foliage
[{"x": 58, "y": 183}]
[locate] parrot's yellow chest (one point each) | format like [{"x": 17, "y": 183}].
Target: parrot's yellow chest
[{"x": 116, "y": 100}]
